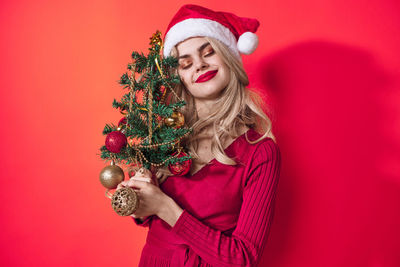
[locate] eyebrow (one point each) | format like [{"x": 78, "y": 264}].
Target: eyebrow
[{"x": 198, "y": 49}]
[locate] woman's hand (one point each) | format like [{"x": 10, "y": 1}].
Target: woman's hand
[
  {"x": 162, "y": 175},
  {"x": 151, "y": 198}
]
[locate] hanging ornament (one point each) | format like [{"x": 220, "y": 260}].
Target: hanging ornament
[
  {"x": 177, "y": 120},
  {"x": 111, "y": 176},
  {"x": 180, "y": 168},
  {"x": 115, "y": 141},
  {"x": 125, "y": 201},
  {"x": 156, "y": 41},
  {"x": 122, "y": 121}
]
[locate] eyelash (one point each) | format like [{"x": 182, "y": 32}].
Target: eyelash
[
  {"x": 206, "y": 55},
  {"x": 210, "y": 53},
  {"x": 187, "y": 66}
]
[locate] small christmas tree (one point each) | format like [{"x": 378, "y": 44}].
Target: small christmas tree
[{"x": 150, "y": 133}]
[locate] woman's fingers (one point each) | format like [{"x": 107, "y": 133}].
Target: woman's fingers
[
  {"x": 138, "y": 184},
  {"x": 122, "y": 184},
  {"x": 130, "y": 183},
  {"x": 143, "y": 179},
  {"x": 142, "y": 173},
  {"x": 162, "y": 178},
  {"x": 162, "y": 175},
  {"x": 164, "y": 171}
]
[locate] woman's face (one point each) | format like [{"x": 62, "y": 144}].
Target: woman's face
[{"x": 201, "y": 69}]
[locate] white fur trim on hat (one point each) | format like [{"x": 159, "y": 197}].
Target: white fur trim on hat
[
  {"x": 247, "y": 43},
  {"x": 199, "y": 27}
]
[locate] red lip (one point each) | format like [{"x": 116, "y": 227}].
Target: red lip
[{"x": 206, "y": 76}]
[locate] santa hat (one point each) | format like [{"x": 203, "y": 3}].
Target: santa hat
[{"x": 237, "y": 33}]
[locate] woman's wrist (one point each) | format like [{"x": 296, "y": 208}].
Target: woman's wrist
[{"x": 170, "y": 211}]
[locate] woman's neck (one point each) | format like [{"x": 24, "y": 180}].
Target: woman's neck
[{"x": 204, "y": 107}]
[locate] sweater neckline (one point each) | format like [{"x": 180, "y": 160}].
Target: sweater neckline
[{"x": 228, "y": 148}]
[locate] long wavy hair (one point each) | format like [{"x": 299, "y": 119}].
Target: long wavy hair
[{"x": 236, "y": 107}]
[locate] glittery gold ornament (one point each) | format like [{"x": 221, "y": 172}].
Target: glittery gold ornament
[
  {"x": 125, "y": 201},
  {"x": 177, "y": 120},
  {"x": 156, "y": 40},
  {"x": 111, "y": 176}
]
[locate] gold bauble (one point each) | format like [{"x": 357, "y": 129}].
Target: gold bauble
[
  {"x": 125, "y": 201},
  {"x": 176, "y": 120},
  {"x": 111, "y": 176}
]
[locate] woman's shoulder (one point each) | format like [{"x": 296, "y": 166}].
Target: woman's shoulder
[{"x": 263, "y": 149}]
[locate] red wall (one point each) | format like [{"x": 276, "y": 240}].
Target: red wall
[{"x": 331, "y": 70}]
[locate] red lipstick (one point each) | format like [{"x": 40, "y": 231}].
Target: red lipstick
[{"x": 206, "y": 76}]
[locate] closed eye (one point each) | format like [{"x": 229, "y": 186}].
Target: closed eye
[
  {"x": 210, "y": 53},
  {"x": 187, "y": 66}
]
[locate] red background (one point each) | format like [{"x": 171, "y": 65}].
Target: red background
[{"x": 331, "y": 70}]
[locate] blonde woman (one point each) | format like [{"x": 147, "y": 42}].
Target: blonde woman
[{"x": 219, "y": 214}]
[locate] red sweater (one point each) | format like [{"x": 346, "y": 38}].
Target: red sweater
[{"x": 227, "y": 210}]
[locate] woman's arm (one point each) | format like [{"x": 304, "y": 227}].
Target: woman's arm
[{"x": 246, "y": 244}]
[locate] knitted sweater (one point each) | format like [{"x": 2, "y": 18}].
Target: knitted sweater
[{"x": 227, "y": 210}]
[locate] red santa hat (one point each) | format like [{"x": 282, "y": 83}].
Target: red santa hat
[{"x": 237, "y": 33}]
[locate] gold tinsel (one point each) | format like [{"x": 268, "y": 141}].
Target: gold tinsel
[{"x": 156, "y": 40}]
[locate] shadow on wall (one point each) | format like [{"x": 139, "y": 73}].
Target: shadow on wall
[{"x": 335, "y": 120}]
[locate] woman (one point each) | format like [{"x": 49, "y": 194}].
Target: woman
[{"x": 218, "y": 214}]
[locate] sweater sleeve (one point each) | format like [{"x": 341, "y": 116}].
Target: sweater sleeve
[{"x": 247, "y": 242}]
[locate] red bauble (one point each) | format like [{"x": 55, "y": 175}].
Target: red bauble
[
  {"x": 180, "y": 168},
  {"x": 115, "y": 141}
]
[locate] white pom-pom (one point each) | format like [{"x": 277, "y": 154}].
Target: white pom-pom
[{"x": 247, "y": 43}]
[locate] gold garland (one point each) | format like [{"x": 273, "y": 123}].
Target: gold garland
[
  {"x": 161, "y": 144},
  {"x": 132, "y": 86},
  {"x": 143, "y": 157}
]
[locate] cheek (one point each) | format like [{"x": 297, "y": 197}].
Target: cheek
[
  {"x": 183, "y": 77},
  {"x": 185, "y": 84},
  {"x": 184, "y": 81},
  {"x": 227, "y": 76}
]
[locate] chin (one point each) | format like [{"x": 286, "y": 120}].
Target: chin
[
  {"x": 208, "y": 94},
  {"x": 209, "y": 89}
]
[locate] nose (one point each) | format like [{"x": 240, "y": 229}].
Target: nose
[{"x": 201, "y": 64}]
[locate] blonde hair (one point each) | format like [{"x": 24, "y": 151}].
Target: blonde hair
[{"x": 237, "y": 106}]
